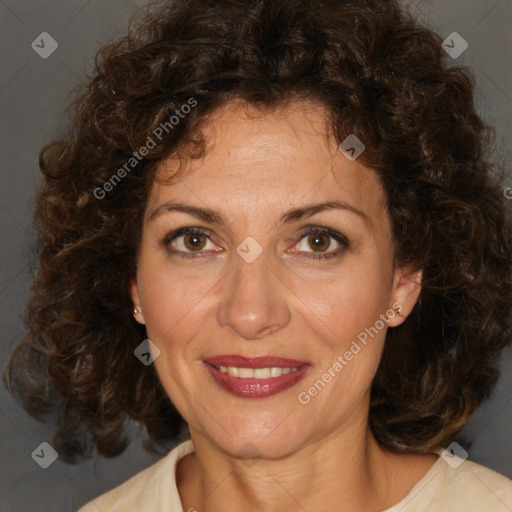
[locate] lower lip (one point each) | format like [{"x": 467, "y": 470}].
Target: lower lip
[{"x": 256, "y": 388}]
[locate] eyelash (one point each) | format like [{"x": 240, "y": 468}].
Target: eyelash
[{"x": 338, "y": 237}]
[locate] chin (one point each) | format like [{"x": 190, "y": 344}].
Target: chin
[{"x": 254, "y": 439}]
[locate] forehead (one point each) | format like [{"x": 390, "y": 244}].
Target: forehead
[{"x": 259, "y": 163}]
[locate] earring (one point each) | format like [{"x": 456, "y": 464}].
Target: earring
[
  {"x": 135, "y": 311},
  {"x": 398, "y": 309}
]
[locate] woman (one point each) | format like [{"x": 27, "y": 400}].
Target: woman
[{"x": 276, "y": 223}]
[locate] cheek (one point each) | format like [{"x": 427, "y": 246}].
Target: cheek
[
  {"x": 347, "y": 303},
  {"x": 176, "y": 310},
  {"x": 171, "y": 302},
  {"x": 344, "y": 314}
]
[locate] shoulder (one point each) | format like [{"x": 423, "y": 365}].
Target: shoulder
[
  {"x": 483, "y": 486},
  {"x": 154, "y": 488},
  {"x": 457, "y": 485},
  {"x": 480, "y": 486}
]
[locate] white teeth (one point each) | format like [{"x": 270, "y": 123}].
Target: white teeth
[
  {"x": 257, "y": 373},
  {"x": 261, "y": 373},
  {"x": 275, "y": 372},
  {"x": 245, "y": 373},
  {"x": 234, "y": 372}
]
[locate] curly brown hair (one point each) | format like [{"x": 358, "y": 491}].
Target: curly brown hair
[{"x": 382, "y": 76}]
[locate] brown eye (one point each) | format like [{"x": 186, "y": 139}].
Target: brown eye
[
  {"x": 190, "y": 240},
  {"x": 194, "y": 241},
  {"x": 319, "y": 242}
]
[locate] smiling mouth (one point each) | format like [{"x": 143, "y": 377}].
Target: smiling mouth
[
  {"x": 259, "y": 377},
  {"x": 256, "y": 373}
]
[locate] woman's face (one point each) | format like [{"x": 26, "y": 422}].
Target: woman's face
[{"x": 274, "y": 245}]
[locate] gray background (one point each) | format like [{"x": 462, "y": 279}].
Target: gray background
[{"x": 33, "y": 92}]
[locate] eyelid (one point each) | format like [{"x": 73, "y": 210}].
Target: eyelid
[
  {"x": 184, "y": 231},
  {"x": 336, "y": 235}
]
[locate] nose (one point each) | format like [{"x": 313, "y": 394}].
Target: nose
[{"x": 253, "y": 301}]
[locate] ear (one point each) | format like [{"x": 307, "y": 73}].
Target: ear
[
  {"x": 134, "y": 293},
  {"x": 406, "y": 291}
]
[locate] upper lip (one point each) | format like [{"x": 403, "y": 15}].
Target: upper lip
[{"x": 254, "y": 362}]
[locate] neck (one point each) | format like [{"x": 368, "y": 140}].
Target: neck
[{"x": 347, "y": 471}]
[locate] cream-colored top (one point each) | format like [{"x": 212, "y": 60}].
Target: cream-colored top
[{"x": 469, "y": 487}]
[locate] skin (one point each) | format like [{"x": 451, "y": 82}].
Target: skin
[{"x": 318, "y": 456}]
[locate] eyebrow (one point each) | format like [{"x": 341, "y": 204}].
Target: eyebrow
[{"x": 212, "y": 217}]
